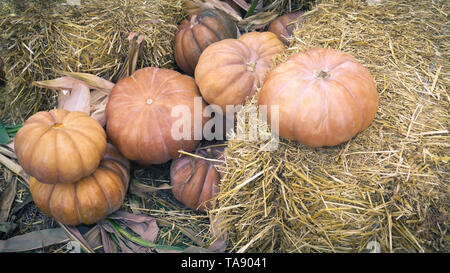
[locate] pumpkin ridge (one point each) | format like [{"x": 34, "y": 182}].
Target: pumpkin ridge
[
  {"x": 140, "y": 87},
  {"x": 77, "y": 203},
  {"x": 283, "y": 87},
  {"x": 212, "y": 31},
  {"x": 228, "y": 23},
  {"x": 166, "y": 149},
  {"x": 191, "y": 64},
  {"x": 36, "y": 144},
  {"x": 54, "y": 117},
  {"x": 302, "y": 94},
  {"x": 235, "y": 79},
  {"x": 193, "y": 164},
  {"x": 103, "y": 191},
  {"x": 138, "y": 118},
  {"x": 162, "y": 85},
  {"x": 345, "y": 87},
  {"x": 86, "y": 136},
  {"x": 124, "y": 130},
  {"x": 180, "y": 142},
  {"x": 76, "y": 148},
  {"x": 341, "y": 63},
  {"x": 198, "y": 204},
  {"x": 49, "y": 197},
  {"x": 106, "y": 167},
  {"x": 33, "y": 149},
  {"x": 184, "y": 61},
  {"x": 192, "y": 185},
  {"x": 327, "y": 120}
]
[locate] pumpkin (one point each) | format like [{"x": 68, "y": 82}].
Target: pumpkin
[
  {"x": 231, "y": 70},
  {"x": 284, "y": 25},
  {"x": 194, "y": 180},
  {"x": 325, "y": 97},
  {"x": 89, "y": 199},
  {"x": 138, "y": 115},
  {"x": 194, "y": 35},
  {"x": 60, "y": 146}
]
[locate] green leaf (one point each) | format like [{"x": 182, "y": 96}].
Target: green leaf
[
  {"x": 4, "y": 137},
  {"x": 13, "y": 129}
]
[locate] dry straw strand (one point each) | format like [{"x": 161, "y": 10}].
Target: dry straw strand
[{"x": 390, "y": 184}]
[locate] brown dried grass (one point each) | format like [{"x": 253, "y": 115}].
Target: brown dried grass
[
  {"x": 40, "y": 40},
  {"x": 390, "y": 184}
]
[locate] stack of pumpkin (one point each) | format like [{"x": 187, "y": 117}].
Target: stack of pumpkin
[
  {"x": 325, "y": 97},
  {"x": 76, "y": 177}
]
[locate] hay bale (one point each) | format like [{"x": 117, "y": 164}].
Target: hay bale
[
  {"x": 42, "y": 38},
  {"x": 390, "y": 184}
]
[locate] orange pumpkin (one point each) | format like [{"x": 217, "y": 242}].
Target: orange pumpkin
[
  {"x": 325, "y": 97},
  {"x": 194, "y": 35},
  {"x": 88, "y": 200},
  {"x": 284, "y": 25},
  {"x": 60, "y": 146},
  {"x": 195, "y": 181},
  {"x": 231, "y": 70},
  {"x": 138, "y": 115}
]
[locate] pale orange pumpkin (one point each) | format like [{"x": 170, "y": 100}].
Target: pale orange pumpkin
[
  {"x": 194, "y": 35},
  {"x": 231, "y": 70},
  {"x": 325, "y": 97},
  {"x": 88, "y": 200},
  {"x": 60, "y": 146},
  {"x": 139, "y": 118},
  {"x": 196, "y": 181}
]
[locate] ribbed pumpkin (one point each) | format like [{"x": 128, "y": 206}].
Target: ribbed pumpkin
[
  {"x": 195, "y": 181},
  {"x": 325, "y": 97},
  {"x": 138, "y": 115},
  {"x": 231, "y": 70},
  {"x": 60, "y": 146},
  {"x": 88, "y": 200},
  {"x": 284, "y": 25},
  {"x": 194, "y": 35}
]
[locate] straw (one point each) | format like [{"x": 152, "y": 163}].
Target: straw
[{"x": 389, "y": 184}]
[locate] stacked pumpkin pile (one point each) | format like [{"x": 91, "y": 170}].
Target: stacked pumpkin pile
[{"x": 77, "y": 179}]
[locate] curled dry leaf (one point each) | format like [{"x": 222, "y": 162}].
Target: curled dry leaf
[
  {"x": 257, "y": 21},
  {"x": 197, "y": 5},
  {"x": 77, "y": 99},
  {"x": 75, "y": 93}
]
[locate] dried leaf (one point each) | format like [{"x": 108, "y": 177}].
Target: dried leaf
[
  {"x": 215, "y": 4},
  {"x": 14, "y": 167},
  {"x": 140, "y": 189},
  {"x": 93, "y": 81},
  {"x": 74, "y": 234},
  {"x": 34, "y": 240},
  {"x": 78, "y": 82},
  {"x": 78, "y": 99},
  {"x": 257, "y": 21},
  {"x": 7, "y": 199},
  {"x": 144, "y": 226},
  {"x": 241, "y": 3}
]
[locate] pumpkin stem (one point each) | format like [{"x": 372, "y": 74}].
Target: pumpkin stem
[
  {"x": 209, "y": 153},
  {"x": 194, "y": 20},
  {"x": 251, "y": 66},
  {"x": 322, "y": 74},
  {"x": 58, "y": 125}
]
